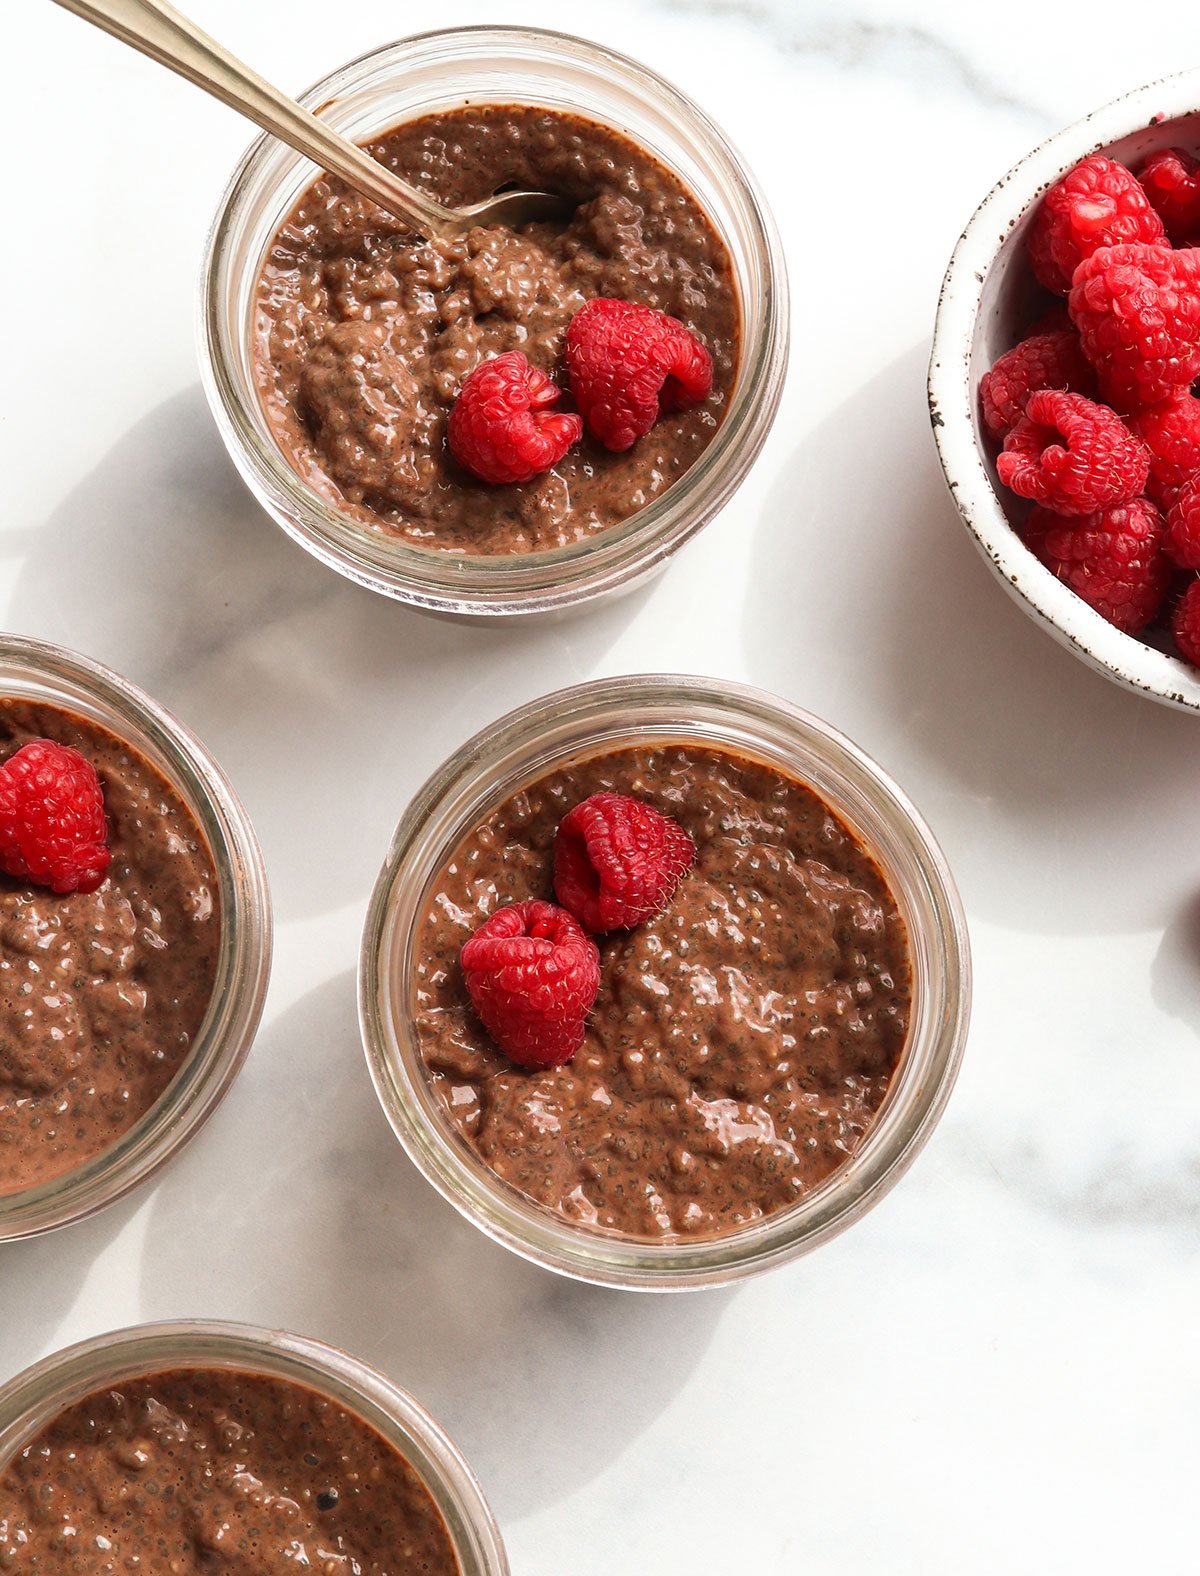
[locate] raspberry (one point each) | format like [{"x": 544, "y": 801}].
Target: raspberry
[
  {"x": 1101, "y": 464},
  {"x": 1183, "y": 525},
  {"x": 617, "y": 861},
  {"x": 499, "y": 427},
  {"x": 1185, "y": 624},
  {"x": 532, "y": 976},
  {"x": 1113, "y": 559},
  {"x": 1171, "y": 180},
  {"x": 52, "y": 826},
  {"x": 1137, "y": 309},
  {"x": 628, "y": 364},
  {"x": 1045, "y": 361},
  {"x": 1098, "y": 203},
  {"x": 1171, "y": 431},
  {"x": 1166, "y": 500}
]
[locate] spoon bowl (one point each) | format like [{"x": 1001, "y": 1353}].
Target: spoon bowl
[{"x": 512, "y": 209}]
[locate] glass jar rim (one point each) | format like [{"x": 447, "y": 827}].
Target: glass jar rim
[
  {"x": 30, "y": 1400},
  {"x": 38, "y": 670},
  {"x": 748, "y": 722},
  {"x": 497, "y": 586}
]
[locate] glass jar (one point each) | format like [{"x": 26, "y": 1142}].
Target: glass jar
[
  {"x": 32, "y": 670},
  {"x": 593, "y": 719},
  {"x": 34, "y": 1398},
  {"x": 442, "y": 71}
]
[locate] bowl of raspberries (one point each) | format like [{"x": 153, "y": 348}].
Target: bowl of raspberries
[{"x": 1063, "y": 387}]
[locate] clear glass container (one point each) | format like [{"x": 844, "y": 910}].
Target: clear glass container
[
  {"x": 33, "y": 670},
  {"x": 445, "y": 70},
  {"x": 590, "y": 720},
  {"x": 34, "y": 1398}
]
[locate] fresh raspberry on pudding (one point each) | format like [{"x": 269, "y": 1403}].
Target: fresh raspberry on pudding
[
  {"x": 532, "y": 975},
  {"x": 52, "y": 826},
  {"x": 617, "y": 861},
  {"x": 501, "y": 428},
  {"x": 628, "y": 364}
]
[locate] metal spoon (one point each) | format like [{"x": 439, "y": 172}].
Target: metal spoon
[{"x": 158, "y": 30}]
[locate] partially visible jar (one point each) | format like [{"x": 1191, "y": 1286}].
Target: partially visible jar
[
  {"x": 594, "y": 719},
  {"x": 31, "y": 1401},
  {"x": 443, "y": 71},
  {"x": 32, "y": 670}
]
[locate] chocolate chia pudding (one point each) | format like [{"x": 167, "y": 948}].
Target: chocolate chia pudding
[
  {"x": 101, "y": 993},
  {"x": 741, "y": 1042},
  {"x": 184, "y": 1472},
  {"x": 364, "y": 335}
]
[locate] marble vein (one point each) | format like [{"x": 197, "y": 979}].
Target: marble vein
[{"x": 900, "y": 48}]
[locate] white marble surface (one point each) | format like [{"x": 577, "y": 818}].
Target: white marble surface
[{"x": 996, "y": 1370}]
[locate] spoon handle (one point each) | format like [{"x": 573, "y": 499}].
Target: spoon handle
[{"x": 158, "y": 30}]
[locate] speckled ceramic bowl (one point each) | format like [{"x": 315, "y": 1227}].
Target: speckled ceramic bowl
[{"x": 986, "y": 303}]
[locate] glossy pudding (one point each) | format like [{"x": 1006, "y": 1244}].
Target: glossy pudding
[
  {"x": 742, "y": 1041},
  {"x": 364, "y": 334},
  {"x": 199, "y": 1471},
  {"x": 102, "y": 994}
]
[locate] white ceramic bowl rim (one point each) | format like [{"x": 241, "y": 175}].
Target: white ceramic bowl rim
[{"x": 951, "y": 398}]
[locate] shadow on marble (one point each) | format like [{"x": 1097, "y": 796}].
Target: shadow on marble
[
  {"x": 297, "y": 1207},
  {"x": 41, "y": 1280},
  {"x": 1175, "y": 972},
  {"x": 1015, "y": 750},
  {"x": 1135, "y": 1188},
  {"x": 16, "y": 541},
  {"x": 180, "y": 581}
]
